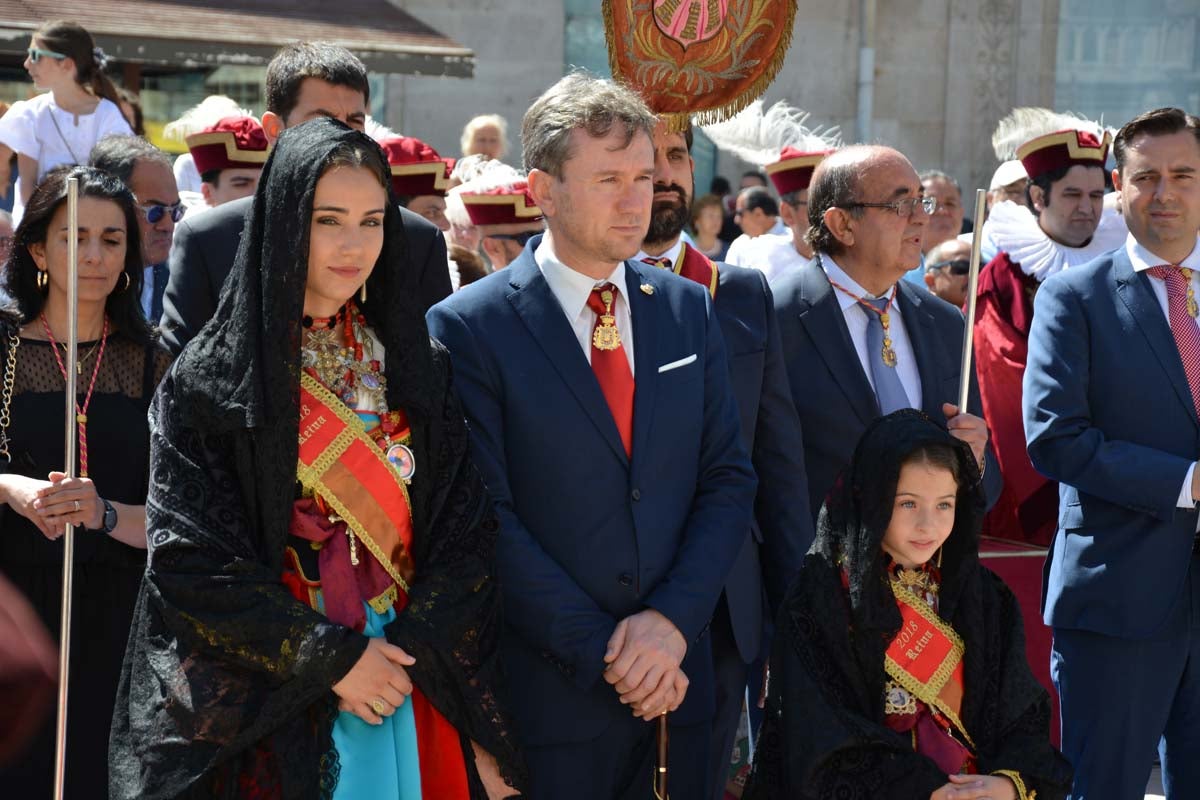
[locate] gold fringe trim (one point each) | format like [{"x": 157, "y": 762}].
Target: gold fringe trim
[
  {"x": 677, "y": 122},
  {"x": 1015, "y": 777}
]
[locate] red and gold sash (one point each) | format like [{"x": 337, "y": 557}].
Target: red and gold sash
[
  {"x": 695, "y": 266},
  {"x": 339, "y": 462},
  {"x": 926, "y": 658}
]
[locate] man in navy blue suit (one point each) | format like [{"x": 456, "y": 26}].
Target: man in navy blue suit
[
  {"x": 1112, "y": 392},
  {"x": 604, "y": 422},
  {"x": 859, "y": 341},
  {"x": 782, "y": 530}
]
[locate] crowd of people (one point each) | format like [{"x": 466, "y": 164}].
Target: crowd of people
[{"x": 589, "y": 467}]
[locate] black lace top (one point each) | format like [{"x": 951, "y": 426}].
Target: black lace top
[{"x": 107, "y": 572}]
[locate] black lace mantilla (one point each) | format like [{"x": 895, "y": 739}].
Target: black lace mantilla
[
  {"x": 226, "y": 685},
  {"x": 824, "y": 735}
]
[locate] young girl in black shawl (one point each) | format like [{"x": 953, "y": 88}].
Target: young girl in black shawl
[
  {"x": 898, "y": 668},
  {"x": 319, "y": 540}
]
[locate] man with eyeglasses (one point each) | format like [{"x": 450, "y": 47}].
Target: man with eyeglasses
[
  {"x": 146, "y": 170},
  {"x": 859, "y": 341},
  {"x": 506, "y": 217},
  {"x": 946, "y": 271}
]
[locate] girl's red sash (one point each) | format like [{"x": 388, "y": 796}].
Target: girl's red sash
[{"x": 926, "y": 658}]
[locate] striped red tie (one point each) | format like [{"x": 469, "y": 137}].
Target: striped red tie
[
  {"x": 610, "y": 363},
  {"x": 1183, "y": 324}
]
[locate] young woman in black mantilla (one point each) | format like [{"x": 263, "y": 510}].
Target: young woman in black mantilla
[
  {"x": 898, "y": 668},
  {"x": 319, "y": 617},
  {"x": 120, "y": 363}
]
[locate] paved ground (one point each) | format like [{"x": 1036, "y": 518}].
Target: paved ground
[{"x": 1154, "y": 790}]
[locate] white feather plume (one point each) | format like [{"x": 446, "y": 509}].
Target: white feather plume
[
  {"x": 1027, "y": 123},
  {"x": 757, "y": 136},
  {"x": 205, "y": 114},
  {"x": 484, "y": 175}
]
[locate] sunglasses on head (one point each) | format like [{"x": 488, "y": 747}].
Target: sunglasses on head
[
  {"x": 959, "y": 266},
  {"x": 520, "y": 238},
  {"x": 155, "y": 212},
  {"x": 36, "y": 54}
]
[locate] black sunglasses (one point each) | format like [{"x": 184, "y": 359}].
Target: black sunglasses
[
  {"x": 959, "y": 266},
  {"x": 520, "y": 238}
]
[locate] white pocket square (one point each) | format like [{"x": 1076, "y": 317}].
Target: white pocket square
[{"x": 683, "y": 362}]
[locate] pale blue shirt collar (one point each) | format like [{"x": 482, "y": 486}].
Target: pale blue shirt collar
[
  {"x": 1142, "y": 259},
  {"x": 571, "y": 288},
  {"x": 839, "y": 276}
]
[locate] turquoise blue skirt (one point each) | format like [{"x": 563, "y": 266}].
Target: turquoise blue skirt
[{"x": 378, "y": 761}]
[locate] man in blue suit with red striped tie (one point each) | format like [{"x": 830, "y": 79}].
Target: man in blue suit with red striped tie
[
  {"x": 604, "y": 422},
  {"x": 1112, "y": 412}
]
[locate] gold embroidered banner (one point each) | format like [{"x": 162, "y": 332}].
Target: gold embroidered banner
[{"x": 705, "y": 58}]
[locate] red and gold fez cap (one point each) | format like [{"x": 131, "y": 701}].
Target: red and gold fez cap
[
  {"x": 232, "y": 143},
  {"x": 1066, "y": 148},
  {"x": 794, "y": 169},
  {"x": 504, "y": 205},
  {"x": 417, "y": 169}
]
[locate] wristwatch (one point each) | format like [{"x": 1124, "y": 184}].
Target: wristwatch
[{"x": 110, "y": 516}]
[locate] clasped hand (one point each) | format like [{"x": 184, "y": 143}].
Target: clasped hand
[
  {"x": 976, "y": 787},
  {"x": 377, "y": 680},
  {"x": 643, "y": 658},
  {"x": 52, "y": 504}
]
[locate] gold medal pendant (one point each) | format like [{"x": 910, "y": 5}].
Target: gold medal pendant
[
  {"x": 606, "y": 336},
  {"x": 888, "y": 354}
]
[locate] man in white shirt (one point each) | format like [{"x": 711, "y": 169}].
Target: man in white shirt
[
  {"x": 859, "y": 341},
  {"x": 1111, "y": 398},
  {"x": 757, "y": 214},
  {"x": 621, "y": 510}
]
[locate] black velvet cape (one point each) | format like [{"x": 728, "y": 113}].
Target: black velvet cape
[
  {"x": 824, "y": 734},
  {"x": 225, "y": 673}
]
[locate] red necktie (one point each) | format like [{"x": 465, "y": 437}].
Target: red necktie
[
  {"x": 1183, "y": 325},
  {"x": 662, "y": 263},
  {"x": 610, "y": 363}
]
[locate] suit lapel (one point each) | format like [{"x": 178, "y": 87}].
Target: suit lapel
[
  {"x": 538, "y": 308},
  {"x": 648, "y": 324},
  {"x": 918, "y": 324},
  {"x": 1135, "y": 292},
  {"x": 826, "y": 327}
]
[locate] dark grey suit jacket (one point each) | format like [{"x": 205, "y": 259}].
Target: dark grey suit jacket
[
  {"x": 831, "y": 390},
  {"x": 204, "y": 247}
]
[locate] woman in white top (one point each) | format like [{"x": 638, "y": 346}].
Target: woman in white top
[{"x": 61, "y": 125}]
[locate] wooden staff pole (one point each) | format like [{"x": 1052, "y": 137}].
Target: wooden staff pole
[{"x": 968, "y": 351}]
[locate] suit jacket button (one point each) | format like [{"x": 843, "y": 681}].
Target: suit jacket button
[
  {"x": 626, "y": 579},
  {"x": 637, "y": 494}
]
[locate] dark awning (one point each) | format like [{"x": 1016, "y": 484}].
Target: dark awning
[{"x": 198, "y": 33}]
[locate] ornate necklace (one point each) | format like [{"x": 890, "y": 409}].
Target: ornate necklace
[
  {"x": 885, "y": 318},
  {"x": 80, "y": 413},
  {"x": 1193, "y": 308},
  {"x": 343, "y": 363}
]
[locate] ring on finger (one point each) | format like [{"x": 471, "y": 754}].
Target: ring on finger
[
  {"x": 77, "y": 506},
  {"x": 378, "y": 706}
]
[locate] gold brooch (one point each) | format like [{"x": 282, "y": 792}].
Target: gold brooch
[{"x": 647, "y": 288}]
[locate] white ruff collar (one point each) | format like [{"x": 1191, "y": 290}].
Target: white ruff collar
[{"x": 1015, "y": 231}]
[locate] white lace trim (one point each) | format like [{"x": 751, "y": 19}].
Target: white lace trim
[{"x": 1015, "y": 230}]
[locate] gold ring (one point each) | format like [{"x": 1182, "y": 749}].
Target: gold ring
[
  {"x": 76, "y": 505},
  {"x": 378, "y": 706}
]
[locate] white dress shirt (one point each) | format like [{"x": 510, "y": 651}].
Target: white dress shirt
[
  {"x": 743, "y": 241},
  {"x": 1143, "y": 260},
  {"x": 572, "y": 289},
  {"x": 856, "y": 322},
  {"x": 774, "y": 256}
]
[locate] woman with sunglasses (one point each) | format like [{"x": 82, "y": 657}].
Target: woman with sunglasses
[
  {"x": 79, "y": 106},
  {"x": 120, "y": 363}
]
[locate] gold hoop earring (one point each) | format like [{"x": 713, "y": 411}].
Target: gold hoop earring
[
  {"x": 43, "y": 279},
  {"x": 362, "y": 293},
  {"x": 128, "y": 282}
]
